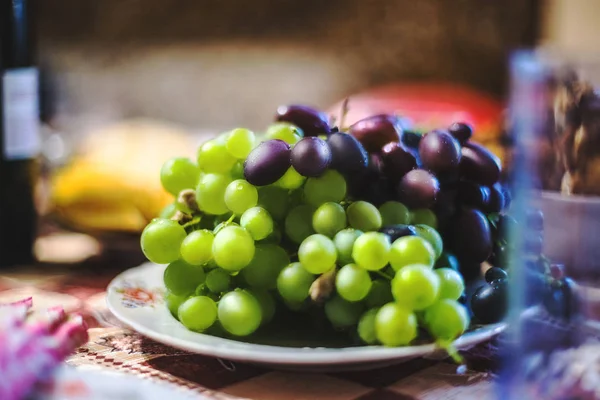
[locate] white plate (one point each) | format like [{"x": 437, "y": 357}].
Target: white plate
[{"x": 135, "y": 298}]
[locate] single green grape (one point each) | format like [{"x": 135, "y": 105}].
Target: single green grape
[
  {"x": 233, "y": 248},
  {"x": 210, "y": 193},
  {"x": 342, "y": 313},
  {"x": 290, "y": 180},
  {"x": 275, "y": 200},
  {"x": 298, "y": 223},
  {"x": 344, "y": 243},
  {"x": 452, "y": 284},
  {"x": 395, "y": 325},
  {"x": 217, "y": 280},
  {"x": 364, "y": 216},
  {"x": 258, "y": 222},
  {"x": 237, "y": 171},
  {"x": 198, "y": 313},
  {"x": 267, "y": 304},
  {"x": 239, "y": 313},
  {"x": 380, "y": 294},
  {"x": 181, "y": 278},
  {"x": 173, "y": 302},
  {"x": 179, "y": 173},
  {"x": 366, "y": 326},
  {"x": 263, "y": 270},
  {"x": 168, "y": 211},
  {"x": 433, "y": 237},
  {"x": 353, "y": 282},
  {"x": 240, "y": 143},
  {"x": 196, "y": 248},
  {"x": 371, "y": 250},
  {"x": 331, "y": 186},
  {"x": 423, "y": 216},
  {"x": 317, "y": 254},
  {"x": 287, "y": 132},
  {"x": 240, "y": 196},
  {"x": 161, "y": 240},
  {"x": 293, "y": 283},
  {"x": 214, "y": 158},
  {"x": 329, "y": 219},
  {"x": 447, "y": 319},
  {"x": 416, "y": 287},
  {"x": 394, "y": 213},
  {"x": 409, "y": 250}
]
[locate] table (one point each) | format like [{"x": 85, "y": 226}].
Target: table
[{"x": 113, "y": 346}]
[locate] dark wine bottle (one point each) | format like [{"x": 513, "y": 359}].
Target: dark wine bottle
[{"x": 19, "y": 133}]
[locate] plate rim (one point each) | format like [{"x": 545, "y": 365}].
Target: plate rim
[{"x": 282, "y": 355}]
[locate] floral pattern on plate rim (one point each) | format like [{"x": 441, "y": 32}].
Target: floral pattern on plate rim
[{"x": 134, "y": 295}]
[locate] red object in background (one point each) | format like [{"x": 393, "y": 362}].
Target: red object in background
[{"x": 428, "y": 106}]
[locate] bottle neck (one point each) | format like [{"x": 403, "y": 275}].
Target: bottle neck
[{"x": 16, "y": 34}]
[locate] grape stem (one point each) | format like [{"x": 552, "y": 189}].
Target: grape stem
[
  {"x": 383, "y": 274},
  {"x": 344, "y": 113},
  {"x": 451, "y": 350}
]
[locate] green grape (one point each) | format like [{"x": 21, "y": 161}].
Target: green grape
[
  {"x": 452, "y": 284},
  {"x": 298, "y": 223},
  {"x": 179, "y": 173},
  {"x": 274, "y": 200},
  {"x": 169, "y": 211},
  {"x": 416, "y": 287},
  {"x": 239, "y": 313},
  {"x": 214, "y": 158},
  {"x": 258, "y": 222},
  {"x": 263, "y": 270},
  {"x": 295, "y": 198},
  {"x": 287, "y": 132},
  {"x": 240, "y": 196},
  {"x": 393, "y": 213},
  {"x": 329, "y": 219},
  {"x": 364, "y": 216},
  {"x": 331, "y": 186},
  {"x": 409, "y": 250},
  {"x": 274, "y": 237},
  {"x": 380, "y": 294},
  {"x": 395, "y": 325},
  {"x": 173, "y": 302},
  {"x": 317, "y": 254},
  {"x": 161, "y": 240},
  {"x": 237, "y": 171},
  {"x": 366, "y": 326},
  {"x": 423, "y": 216},
  {"x": 198, "y": 313},
  {"x": 240, "y": 142},
  {"x": 218, "y": 281},
  {"x": 196, "y": 248},
  {"x": 371, "y": 250},
  {"x": 290, "y": 180},
  {"x": 295, "y": 306},
  {"x": 433, "y": 237},
  {"x": 344, "y": 242},
  {"x": 181, "y": 278},
  {"x": 293, "y": 283},
  {"x": 267, "y": 304},
  {"x": 342, "y": 313},
  {"x": 447, "y": 319},
  {"x": 233, "y": 248},
  {"x": 353, "y": 282},
  {"x": 210, "y": 193}
]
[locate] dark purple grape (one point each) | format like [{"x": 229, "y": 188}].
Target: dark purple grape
[
  {"x": 348, "y": 156},
  {"x": 536, "y": 286},
  {"x": 535, "y": 220},
  {"x": 378, "y": 192},
  {"x": 376, "y": 131},
  {"x": 411, "y": 139},
  {"x": 557, "y": 271},
  {"x": 311, "y": 156},
  {"x": 562, "y": 301},
  {"x": 470, "y": 236},
  {"x": 507, "y": 198},
  {"x": 496, "y": 199},
  {"x": 534, "y": 244},
  {"x": 490, "y": 303},
  {"x": 461, "y": 132},
  {"x": 397, "y": 161},
  {"x": 418, "y": 189},
  {"x": 505, "y": 226},
  {"x": 500, "y": 256},
  {"x": 447, "y": 260},
  {"x": 495, "y": 274},
  {"x": 478, "y": 164},
  {"x": 397, "y": 231},
  {"x": 445, "y": 207},
  {"x": 440, "y": 152},
  {"x": 473, "y": 195},
  {"x": 267, "y": 162},
  {"x": 311, "y": 121}
]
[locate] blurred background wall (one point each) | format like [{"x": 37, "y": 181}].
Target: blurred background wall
[{"x": 212, "y": 64}]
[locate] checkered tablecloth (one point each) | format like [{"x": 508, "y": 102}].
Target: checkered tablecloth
[{"x": 112, "y": 345}]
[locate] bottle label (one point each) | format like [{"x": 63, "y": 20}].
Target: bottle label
[{"x": 20, "y": 100}]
